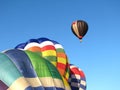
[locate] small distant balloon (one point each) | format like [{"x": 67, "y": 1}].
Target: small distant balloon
[{"x": 79, "y": 28}]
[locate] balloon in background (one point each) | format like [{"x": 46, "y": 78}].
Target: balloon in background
[
  {"x": 77, "y": 78},
  {"x": 79, "y": 28}
]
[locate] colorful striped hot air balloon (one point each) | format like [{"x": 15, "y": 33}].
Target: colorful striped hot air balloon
[
  {"x": 50, "y": 50},
  {"x": 77, "y": 78},
  {"x": 39, "y": 64},
  {"x": 26, "y": 70}
]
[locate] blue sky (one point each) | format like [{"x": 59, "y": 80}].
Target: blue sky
[{"x": 99, "y": 53}]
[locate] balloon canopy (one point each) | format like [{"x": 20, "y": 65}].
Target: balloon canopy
[
  {"x": 50, "y": 50},
  {"x": 39, "y": 64},
  {"x": 79, "y": 28},
  {"x": 26, "y": 70},
  {"x": 77, "y": 78}
]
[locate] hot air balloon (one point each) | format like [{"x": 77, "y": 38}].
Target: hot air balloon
[
  {"x": 23, "y": 63},
  {"x": 79, "y": 28},
  {"x": 39, "y": 64},
  {"x": 26, "y": 70},
  {"x": 52, "y": 51},
  {"x": 77, "y": 78}
]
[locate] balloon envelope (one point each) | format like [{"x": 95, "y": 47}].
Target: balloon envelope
[
  {"x": 26, "y": 70},
  {"x": 39, "y": 64},
  {"x": 77, "y": 78},
  {"x": 79, "y": 28},
  {"x": 11, "y": 76},
  {"x": 50, "y": 50}
]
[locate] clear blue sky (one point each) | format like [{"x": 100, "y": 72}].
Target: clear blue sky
[{"x": 99, "y": 53}]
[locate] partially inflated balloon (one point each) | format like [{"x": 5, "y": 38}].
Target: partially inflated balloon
[
  {"x": 50, "y": 50},
  {"x": 37, "y": 71},
  {"x": 11, "y": 76},
  {"x": 77, "y": 78},
  {"x": 47, "y": 73},
  {"x": 39, "y": 64},
  {"x": 79, "y": 28},
  {"x": 23, "y": 63}
]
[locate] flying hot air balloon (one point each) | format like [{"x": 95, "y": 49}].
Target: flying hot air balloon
[{"x": 79, "y": 28}]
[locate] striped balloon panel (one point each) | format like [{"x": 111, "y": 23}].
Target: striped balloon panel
[
  {"x": 3, "y": 86},
  {"x": 33, "y": 46},
  {"x": 62, "y": 64},
  {"x": 57, "y": 77},
  {"x": 48, "y": 51},
  {"x": 22, "y": 62},
  {"x": 75, "y": 28},
  {"x": 11, "y": 76},
  {"x": 47, "y": 73},
  {"x": 66, "y": 84},
  {"x": 77, "y": 79},
  {"x": 67, "y": 74},
  {"x": 62, "y": 61},
  {"x": 83, "y": 80}
]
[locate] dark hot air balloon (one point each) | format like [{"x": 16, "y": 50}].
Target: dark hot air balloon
[{"x": 79, "y": 28}]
